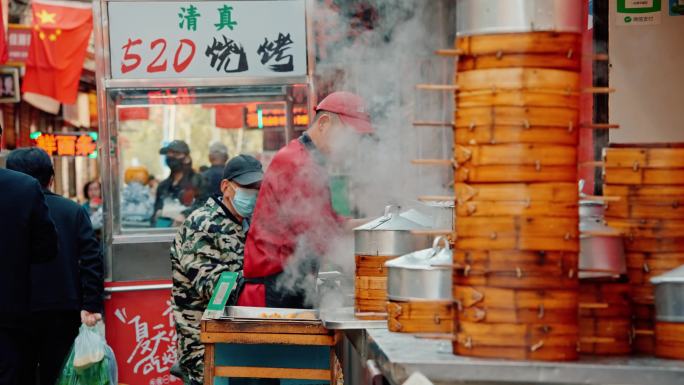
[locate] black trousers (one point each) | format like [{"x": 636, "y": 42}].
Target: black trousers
[
  {"x": 11, "y": 355},
  {"x": 50, "y": 341}
]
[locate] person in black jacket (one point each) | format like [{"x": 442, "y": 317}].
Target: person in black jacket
[
  {"x": 27, "y": 235},
  {"x": 66, "y": 291}
]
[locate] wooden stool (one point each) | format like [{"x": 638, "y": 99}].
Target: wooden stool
[{"x": 270, "y": 333}]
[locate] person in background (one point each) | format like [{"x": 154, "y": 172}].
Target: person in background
[
  {"x": 92, "y": 191},
  {"x": 27, "y": 235},
  {"x": 137, "y": 204},
  {"x": 294, "y": 216},
  {"x": 177, "y": 193},
  {"x": 210, "y": 242},
  {"x": 218, "y": 156},
  {"x": 66, "y": 291}
]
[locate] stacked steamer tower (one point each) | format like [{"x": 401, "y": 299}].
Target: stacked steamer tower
[
  {"x": 515, "y": 284},
  {"x": 649, "y": 181}
]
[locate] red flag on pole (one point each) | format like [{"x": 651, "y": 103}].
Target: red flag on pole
[
  {"x": 59, "y": 41},
  {"x": 4, "y": 49}
]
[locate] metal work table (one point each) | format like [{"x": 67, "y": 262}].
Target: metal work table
[{"x": 398, "y": 356}]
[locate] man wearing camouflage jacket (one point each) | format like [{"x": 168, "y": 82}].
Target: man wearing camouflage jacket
[{"x": 210, "y": 241}]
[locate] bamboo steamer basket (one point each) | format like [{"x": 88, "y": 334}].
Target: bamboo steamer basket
[
  {"x": 516, "y": 208},
  {"x": 640, "y": 156},
  {"x": 654, "y": 245},
  {"x": 648, "y": 209},
  {"x": 535, "y": 50},
  {"x": 637, "y": 192},
  {"x": 420, "y": 316},
  {"x": 514, "y": 134},
  {"x": 610, "y": 336},
  {"x": 514, "y": 269},
  {"x": 648, "y": 228},
  {"x": 545, "y": 342},
  {"x": 547, "y": 43},
  {"x": 508, "y": 154},
  {"x": 482, "y": 304},
  {"x": 645, "y": 176},
  {"x": 669, "y": 340},
  {"x": 513, "y": 116},
  {"x": 605, "y": 317},
  {"x": 551, "y": 263},
  {"x": 607, "y": 299},
  {"x": 551, "y": 81},
  {"x": 515, "y": 173},
  {"x": 527, "y": 192},
  {"x": 515, "y": 97}
]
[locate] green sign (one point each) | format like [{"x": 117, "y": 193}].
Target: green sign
[
  {"x": 224, "y": 287},
  {"x": 638, "y": 12},
  {"x": 638, "y": 6}
]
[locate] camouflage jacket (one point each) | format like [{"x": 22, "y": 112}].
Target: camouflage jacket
[{"x": 209, "y": 242}]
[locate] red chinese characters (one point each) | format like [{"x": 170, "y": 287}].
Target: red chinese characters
[{"x": 133, "y": 52}]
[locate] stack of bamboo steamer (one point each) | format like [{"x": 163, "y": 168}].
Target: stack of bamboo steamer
[
  {"x": 516, "y": 242},
  {"x": 649, "y": 179},
  {"x": 605, "y": 317},
  {"x": 376, "y": 242}
]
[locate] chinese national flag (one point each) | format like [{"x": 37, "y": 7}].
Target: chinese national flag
[{"x": 59, "y": 42}]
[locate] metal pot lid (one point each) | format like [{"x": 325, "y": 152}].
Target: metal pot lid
[
  {"x": 393, "y": 220},
  {"x": 672, "y": 276},
  {"x": 434, "y": 258}
]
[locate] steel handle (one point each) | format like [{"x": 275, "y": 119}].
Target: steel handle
[
  {"x": 373, "y": 373},
  {"x": 124, "y": 289}
]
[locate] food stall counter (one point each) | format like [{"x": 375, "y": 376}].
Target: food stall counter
[{"x": 397, "y": 356}]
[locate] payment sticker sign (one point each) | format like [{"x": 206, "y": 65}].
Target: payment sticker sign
[
  {"x": 224, "y": 287},
  {"x": 639, "y": 12}
]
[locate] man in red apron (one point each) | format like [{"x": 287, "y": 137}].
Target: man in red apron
[{"x": 294, "y": 219}]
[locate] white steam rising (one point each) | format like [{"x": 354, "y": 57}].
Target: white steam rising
[{"x": 384, "y": 64}]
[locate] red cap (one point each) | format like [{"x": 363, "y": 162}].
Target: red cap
[{"x": 350, "y": 108}]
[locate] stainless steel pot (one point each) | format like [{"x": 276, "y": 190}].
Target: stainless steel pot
[
  {"x": 481, "y": 17},
  {"x": 669, "y": 295},
  {"x": 602, "y": 252},
  {"x": 392, "y": 234},
  {"x": 421, "y": 275}
]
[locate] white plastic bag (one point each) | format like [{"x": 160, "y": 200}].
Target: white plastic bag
[{"x": 89, "y": 347}]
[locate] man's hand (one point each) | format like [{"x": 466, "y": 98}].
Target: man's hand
[{"x": 89, "y": 318}]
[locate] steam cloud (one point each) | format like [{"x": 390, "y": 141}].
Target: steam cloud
[{"x": 383, "y": 65}]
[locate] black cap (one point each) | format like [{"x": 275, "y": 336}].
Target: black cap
[
  {"x": 177, "y": 146},
  {"x": 243, "y": 170}
]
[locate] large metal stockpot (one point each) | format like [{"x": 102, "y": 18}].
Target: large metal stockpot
[
  {"x": 481, "y": 17},
  {"x": 669, "y": 295},
  {"x": 602, "y": 252},
  {"x": 393, "y": 234},
  {"x": 421, "y": 275}
]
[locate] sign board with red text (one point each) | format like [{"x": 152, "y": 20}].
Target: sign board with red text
[
  {"x": 140, "y": 330},
  {"x": 207, "y": 39}
]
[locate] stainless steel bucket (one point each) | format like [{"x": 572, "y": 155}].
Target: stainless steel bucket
[
  {"x": 669, "y": 295},
  {"x": 482, "y": 17},
  {"x": 421, "y": 275},
  {"x": 391, "y": 235}
]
